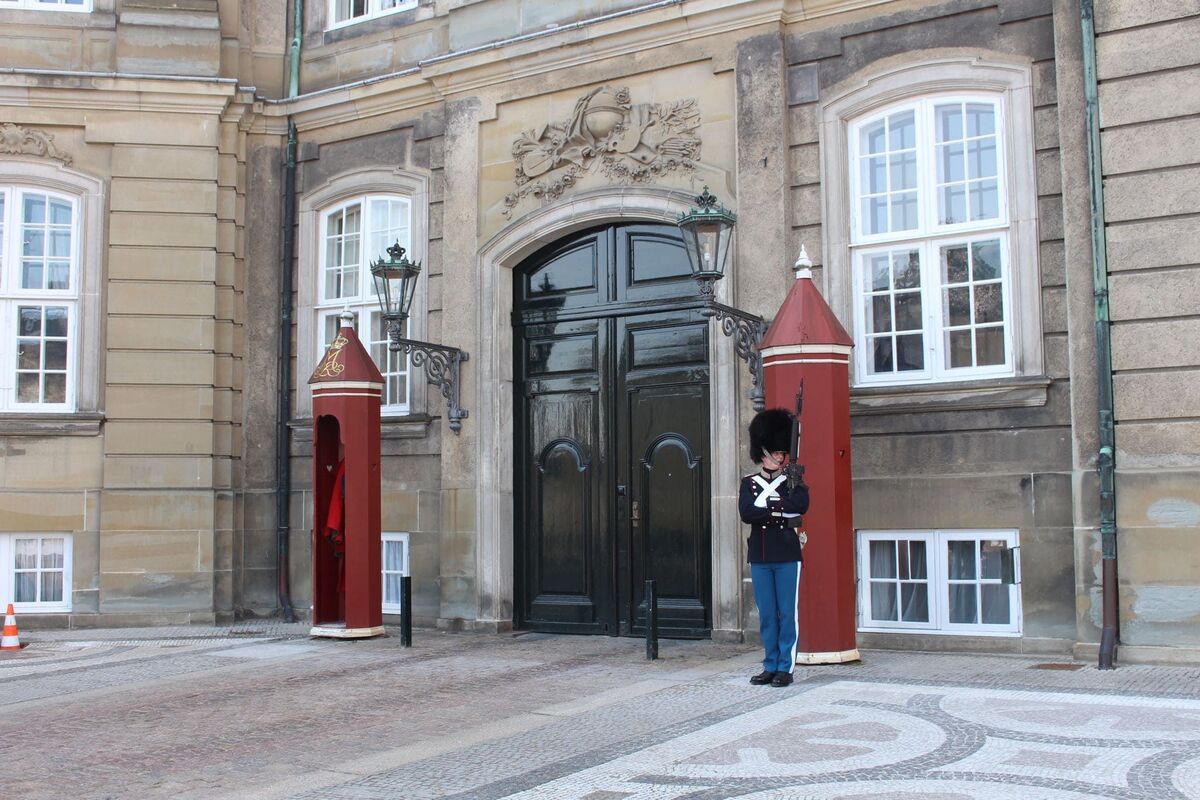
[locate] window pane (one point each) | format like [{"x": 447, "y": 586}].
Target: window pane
[
  {"x": 949, "y": 125},
  {"x": 56, "y": 388},
  {"x": 954, "y": 264},
  {"x": 29, "y": 355},
  {"x": 25, "y": 554},
  {"x": 914, "y": 602},
  {"x": 52, "y": 587},
  {"x": 60, "y": 212},
  {"x": 883, "y": 354},
  {"x": 962, "y": 603},
  {"x": 985, "y": 200},
  {"x": 981, "y": 158},
  {"x": 911, "y": 349},
  {"x": 883, "y": 559},
  {"x": 950, "y": 163},
  {"x": 872, "y": 138},
  {"x": 879, "y": 278},
  {"x": 985, "y": 260},
  {"x": 918, "y": 559},
  {"x": 25, "y": 589},
  {"x": 958, "y": 349},
  {"x": 907, "y": 269},
  {"x": 989, "y": 304},
  {"x": 902, "y": 558},
  {"x": 989, "y": 346},
  {"x": 956, "y": 306},
  {"x": 58, "y": 275},
  {"x": 28, "y": 387},
  {"x": 52, "y": 553},
  {"x": 952, "y": 205},
  {"x": 903, "y": 131},
  {"x": 908, "y": 311},
  {"x": 35, "y": 209},
  {"x": 56, "y": 321},
  {"x": 990, "y": 552},
  {"x": 883, "y": 601},
  {"x": 874, "y": 175},
  {"x": 393, "y": 556},
  {"x": 995, "y": 604},
  {"x": 875, "y": 214},
  {"x": 391, "y": 589},
  {"x": 962, "y": 560},
  {"x": 31, "y": 275},
  {"x": 56, "y": 355},
  {"x": 904, "y": 211},
  {"x": 881, "y": 313},
  {"x": 981, "y": 119},
  {"x": 34, "y": 243},
  {"x": 904, "y": 170}
]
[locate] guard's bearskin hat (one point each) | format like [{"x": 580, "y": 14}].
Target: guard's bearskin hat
[{"x": 770, "y": 432}]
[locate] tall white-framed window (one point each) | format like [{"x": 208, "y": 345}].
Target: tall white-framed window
[
  {"x": 931, "y": 219},
  {"x": 348, "y": 12},
  {"x": 39, "y": 291},
  {"x": 354, "y": 233},
  {"x": 940, "y": 581},
  {"x": 395, "y": 567},
  {"x": 49, "y": 5},
  {"x": 929, "y": 242},
  {"x": 35, "y": 571}
]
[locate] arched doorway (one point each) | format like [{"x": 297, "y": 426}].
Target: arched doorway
[{"x": 611, "y": 435}]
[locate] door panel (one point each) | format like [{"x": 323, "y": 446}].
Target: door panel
[{"x": 611, "y": 387}]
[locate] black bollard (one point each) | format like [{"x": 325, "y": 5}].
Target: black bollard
[
  {"x": 405, "y": 611},
  {"x": 651, "y": 621}
]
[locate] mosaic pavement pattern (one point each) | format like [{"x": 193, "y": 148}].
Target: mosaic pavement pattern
[{"x": 852, "y": 740}]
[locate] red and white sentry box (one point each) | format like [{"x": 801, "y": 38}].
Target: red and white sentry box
[{"x": 807, "y": 343}]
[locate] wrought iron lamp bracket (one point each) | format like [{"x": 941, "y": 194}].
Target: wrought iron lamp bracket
[
  {"x": 443, "y": 368},
  {"x": 747, "y": 331}
]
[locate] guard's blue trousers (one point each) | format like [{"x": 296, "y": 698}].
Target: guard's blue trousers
[{"x": 776, "y": 589}]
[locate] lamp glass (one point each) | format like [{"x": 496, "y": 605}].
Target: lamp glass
[{"x": 395, "y": 283}]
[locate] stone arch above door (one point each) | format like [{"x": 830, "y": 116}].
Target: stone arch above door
[{"x": 494, "y": 399}]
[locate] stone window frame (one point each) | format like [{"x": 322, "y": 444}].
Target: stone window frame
[
  {"x": 893, "y": 82},
  {"x": 338, "y": 190},
  {"x": 938, "y": 582},
  {"x": 87, "y": 341}
]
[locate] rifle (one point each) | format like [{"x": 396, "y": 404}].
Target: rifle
[{"x": 794, "y": 469}]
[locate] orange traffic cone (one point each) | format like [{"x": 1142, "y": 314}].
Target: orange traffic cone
[{"x": 11, "y": 640}]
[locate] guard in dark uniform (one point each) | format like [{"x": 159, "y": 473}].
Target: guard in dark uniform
[{"x": 773, "y": 509}]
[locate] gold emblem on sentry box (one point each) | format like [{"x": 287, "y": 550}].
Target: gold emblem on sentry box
[{"x": 331, "y": 366}]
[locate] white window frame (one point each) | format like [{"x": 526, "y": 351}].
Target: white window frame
[
  {"x": 314, "y": 209},
  {"x": 48, "y": 5},
  {"x": 936, "y": 546},
  {"x": 884, "y": 89},
  {"x": 374, "y": 11},
  {"x": 402, "y": 539},
  {"x": 8, "y": 572},
  {"x": 14, "y": 297}
]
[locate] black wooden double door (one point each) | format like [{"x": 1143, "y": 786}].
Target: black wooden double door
[{"x": 611, "y": 477}]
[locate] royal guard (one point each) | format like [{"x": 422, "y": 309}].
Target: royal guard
[{"x": 772, "y": 501}]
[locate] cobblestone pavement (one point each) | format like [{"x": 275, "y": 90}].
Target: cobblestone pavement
[{"x": 261, "y": 711}]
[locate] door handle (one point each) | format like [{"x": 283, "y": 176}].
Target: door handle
[{"x": 635, "y": 514}]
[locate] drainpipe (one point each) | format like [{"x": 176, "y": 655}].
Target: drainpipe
[
  {"x": 1106, "y": 457},
  {"x": 283, "y": 435}
]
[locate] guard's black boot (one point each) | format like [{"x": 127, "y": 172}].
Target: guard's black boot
[
  {"x": 762, "y": 678},
  {"x": 781, "y": 679}
]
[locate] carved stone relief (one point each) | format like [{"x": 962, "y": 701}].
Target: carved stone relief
[
  {"x": 17, "y": 140},
  {"x": 607, "y": 133}
]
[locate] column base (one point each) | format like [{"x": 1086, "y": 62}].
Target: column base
[
  {"x": 840, "y": 657},
  {"x": 338, "y": 630}
]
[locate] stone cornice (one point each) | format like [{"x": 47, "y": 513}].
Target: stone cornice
[
  {"x": 115, "y": 92},
  {"x": 475, "y": 70}
]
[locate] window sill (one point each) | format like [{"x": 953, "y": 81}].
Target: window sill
[
  {"x": 960, "y": 396},
  {"x": 411, "y": 426},
  {"x": 50, "y": 424}
]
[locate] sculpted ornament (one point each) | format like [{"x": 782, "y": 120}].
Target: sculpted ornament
[
  {"x": 628, "y": 142},
  {"x": 17, "y": 140}
]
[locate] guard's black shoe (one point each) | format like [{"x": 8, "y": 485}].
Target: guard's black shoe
[
  {"x": 781, "y": 679},
  {"x": 763, "y": 678}
]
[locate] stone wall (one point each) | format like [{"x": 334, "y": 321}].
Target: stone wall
[{"x": 1148, "y": 63}]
